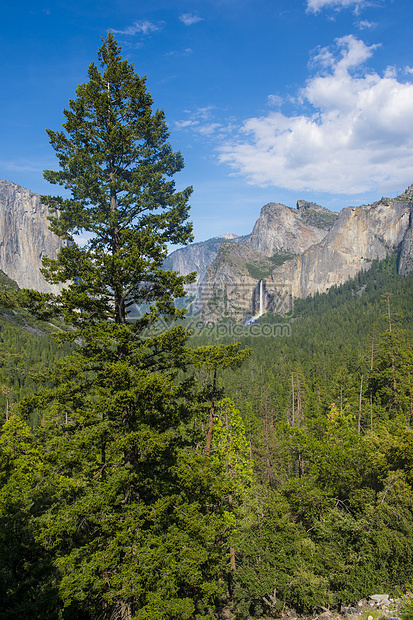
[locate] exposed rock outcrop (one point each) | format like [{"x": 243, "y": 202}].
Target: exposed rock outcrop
[
  {"x": 358, "y": 236},
  {"x": 25, "y": 237},
  {"x": 282, "y": 229},
  {"x": 228, "y": 286},
  {"x": 406, "y": 251},
  {"x": 196, "y": 257}
]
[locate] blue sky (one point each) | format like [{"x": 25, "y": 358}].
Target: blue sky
[{"x": 268, "y": 100}]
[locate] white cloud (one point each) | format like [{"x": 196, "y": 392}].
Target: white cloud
[
  {"x": 189, "y": 19},
  {"x": 274, "y": 100},
  {"x": 317, "y": 5},
  {"x": 366, "y": 25},
  {"x": 179, "y": 53},
  {"x": 140, "y": 27},
  {"x": 22, "y": 166},
  {"x": 203, "y": 122},
  {"x": 357, "y": 137}
]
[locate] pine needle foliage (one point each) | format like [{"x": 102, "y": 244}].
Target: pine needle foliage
[{"x": 119, "y": 427}]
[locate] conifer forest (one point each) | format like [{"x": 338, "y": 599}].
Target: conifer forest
[{"x": 170, "y": 474}]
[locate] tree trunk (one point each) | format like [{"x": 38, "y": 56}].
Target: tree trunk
[
  {"x": 211, "y": 415},
  {"x": 359, "y": 416}
]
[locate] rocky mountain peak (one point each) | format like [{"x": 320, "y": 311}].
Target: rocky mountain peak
[
  {"x": 303, "y": 205},
  {"x": 228, "y": 236},
  {"x": 282, "y": 229},
  {"x": 25, "y": 237},
  {"x": 407, "y": 195}
]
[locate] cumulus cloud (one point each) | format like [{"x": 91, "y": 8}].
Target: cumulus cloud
[
  {"x": 189, "y": 19},
  {"x": 140, "y": 27},
  {"x": 358, "y": 135}
]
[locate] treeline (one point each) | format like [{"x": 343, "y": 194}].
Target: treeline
[
  {"x": 328, "y": 414},
  {"x": 27, "y": 350},
  {"x": 303, "y": 498}
]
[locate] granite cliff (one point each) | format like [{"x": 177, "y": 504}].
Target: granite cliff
[
  {"x": 196, "y": 257},
  {"x": 25, "y": 237},
  {"x": 359, "y": 236},
  {"x": 279, "y": 234},
  {"x": 282, "y": 229},
  {"x": 328, "y": 248}
]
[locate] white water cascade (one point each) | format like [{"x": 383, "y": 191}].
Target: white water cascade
[{"x": 262, "y": 309}]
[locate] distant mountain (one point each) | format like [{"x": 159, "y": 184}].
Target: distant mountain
[
  {"x": 25, "y": 237},
  {"x": 290, "y": 253},
  {"x": 329, "y": 249},
  {"x": 197, "y": 257}
]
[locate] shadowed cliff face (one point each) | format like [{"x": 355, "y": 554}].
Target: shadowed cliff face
[
  {"x": 196, "y": 257},
  {"x": 25, "y": 237}
]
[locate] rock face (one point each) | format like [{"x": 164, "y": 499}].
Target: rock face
[
  {"x": 406, "y": 254},
  {"x": 25, "y": 237},
  {"x": 196, "y": 257},
  {"x": 228, "y": 286},
  {"x": 360, "y": 235},
  {"x": 329, "y": 249},
  {"x": 282, "y": 229},
  {"x": 228, "y": 262}
]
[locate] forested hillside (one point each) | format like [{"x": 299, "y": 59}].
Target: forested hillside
[
  {"x": 327, "y": 510},
  {"x": 328, "y": 414},
  {"x": 27, "y": 349}
]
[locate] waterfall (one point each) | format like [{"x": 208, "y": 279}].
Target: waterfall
[
  {"x": 261, "y": 297},
  {"x": 261, "y": 306}
]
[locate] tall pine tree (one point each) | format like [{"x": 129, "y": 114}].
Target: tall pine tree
[{"x": 128, "y": 537}]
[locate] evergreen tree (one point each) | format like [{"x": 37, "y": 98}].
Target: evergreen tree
[
  {"x": 116, "y": 162},
  {"x": 27, "y": 577},
  {"x": 128, "y": 536}
]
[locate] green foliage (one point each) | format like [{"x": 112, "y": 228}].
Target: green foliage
[
  {"x": 135, "y": 519},
  {"x": 262, "y": 269},
  {"x": 116, "y": 162},
  {"x": 6, "y": 283},
  {"x": 27, "y": 577},
  {"x": 122, "y": 502},
  {"x": 230, "y": 447},
  {"x": 406, "y": 612},
  {"x": 333, "y": 437},
  {"x": 317, "y": 218}
]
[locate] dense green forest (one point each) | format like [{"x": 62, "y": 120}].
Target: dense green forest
[
  {"x": 152, "y": 471},
  {"x": 325, "y": 453},
  {"x": 327, "y": 412}
]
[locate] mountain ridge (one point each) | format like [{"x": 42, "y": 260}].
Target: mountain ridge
[
  {"x": 325, "y": 255},
  {"x": 295, "y": 252}
]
